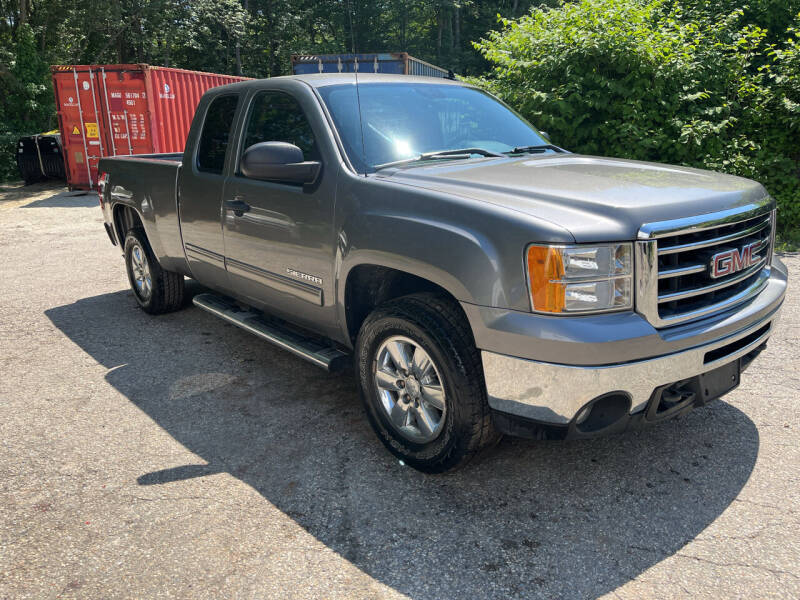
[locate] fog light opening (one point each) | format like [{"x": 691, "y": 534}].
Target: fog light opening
[
  {"x": 603, "y": 412},
  {"x": 583, "y": 414}
]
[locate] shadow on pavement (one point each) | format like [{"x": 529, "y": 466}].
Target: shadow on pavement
[
  {"x": 66, "y": 200},
  {"x": 547, "y": 519}
]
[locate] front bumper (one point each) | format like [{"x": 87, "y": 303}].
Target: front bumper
[{"x": 554, "y": 394}]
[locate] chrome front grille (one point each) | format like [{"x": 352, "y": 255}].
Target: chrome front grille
[{"x": 676, "y": 281}]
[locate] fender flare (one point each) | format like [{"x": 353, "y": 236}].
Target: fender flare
[{"x": 462, "y": 261}]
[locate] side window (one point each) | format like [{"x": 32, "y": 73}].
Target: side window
[
  {"x": 277, "y": 117},
  {"x": 216, "y": 134}
]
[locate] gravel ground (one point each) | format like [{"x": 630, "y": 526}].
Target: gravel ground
[{"x": 178, "y": 456}]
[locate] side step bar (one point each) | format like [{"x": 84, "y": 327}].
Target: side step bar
[{"x": 316, "y": 350}]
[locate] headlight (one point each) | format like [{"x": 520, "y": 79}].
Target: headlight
[{"x": 575, "y": 279}]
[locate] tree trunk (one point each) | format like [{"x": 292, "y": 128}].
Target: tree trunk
[
  {"x": 275, "y": 68},
  {"x": 239, "y": 46},
  {"x": 352, "y": 31},
  {"x": 450, "y": 18},
  {"x": 43, "y": 45},
  {"x": 457, "y": 19},
  {"x": 405, "y": 27},
  {"x": 440, "y": 24},
  {"x": 24, "y": 12},
  {"x": 356, "y": 45}
]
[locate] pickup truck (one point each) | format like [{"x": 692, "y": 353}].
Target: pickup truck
[{"x": 480, "y": 280}]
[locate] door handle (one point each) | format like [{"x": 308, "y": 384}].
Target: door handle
[{"x": 237, "y": 206}]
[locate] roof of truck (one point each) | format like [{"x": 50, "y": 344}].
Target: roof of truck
[{"x": 325, "y": 79}]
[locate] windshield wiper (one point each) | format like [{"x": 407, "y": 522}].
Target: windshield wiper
[
  {"x": 535, "y": 149},
  {"x": 456, "y": 154}
]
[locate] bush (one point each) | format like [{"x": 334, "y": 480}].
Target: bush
[
  {"x": 694, "y": 83},
  {"x": 27, "y": 95}
]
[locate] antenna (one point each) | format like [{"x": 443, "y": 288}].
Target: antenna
[{"x": 360, "y": 119}]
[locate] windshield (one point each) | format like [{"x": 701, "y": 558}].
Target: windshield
[{"x": 404, "y": 120}]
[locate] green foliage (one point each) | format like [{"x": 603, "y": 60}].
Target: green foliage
[
  {"x": 689, "y": 82},
  {"x": 27, "y": 97}
]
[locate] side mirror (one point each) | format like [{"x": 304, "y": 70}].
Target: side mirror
[{"x": 278, "y": 161}]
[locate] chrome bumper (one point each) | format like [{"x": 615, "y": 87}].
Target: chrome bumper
[{"x": 554, "y": 393}]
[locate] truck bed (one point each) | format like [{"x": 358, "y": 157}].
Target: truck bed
[{"x": 148, "y": 184}]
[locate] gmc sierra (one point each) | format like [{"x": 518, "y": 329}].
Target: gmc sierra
[{"x": 482, "y": 280}]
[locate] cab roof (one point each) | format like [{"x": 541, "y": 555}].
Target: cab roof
[
  {"x": 324, "y": 79},
  {"x": 318, "y": 80}
]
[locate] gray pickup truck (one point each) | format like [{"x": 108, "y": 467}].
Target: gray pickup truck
[{"x": 480, "y": 279}]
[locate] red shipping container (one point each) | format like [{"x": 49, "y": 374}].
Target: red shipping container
[{"x": 107, "y": 110}]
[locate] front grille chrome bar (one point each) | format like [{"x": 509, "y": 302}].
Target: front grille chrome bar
[
  {"x": 712, "y": 288},
  {"x": 685, "y": 293},
  {"x": 651, "y": 231},
  {"x": 717, "y": 241},
  {"x": 688, "y": 270}
]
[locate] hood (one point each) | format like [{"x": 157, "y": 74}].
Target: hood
[{"x": 596, "y": 199}]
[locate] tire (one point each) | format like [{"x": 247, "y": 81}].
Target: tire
[
  {"x": 157, "y": 291},
  {"x": 433, "y": 421}
]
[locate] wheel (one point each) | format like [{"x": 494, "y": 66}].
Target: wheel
[
  {"x": 156, "y": 290},
  {"x": 421, "y": 381}
]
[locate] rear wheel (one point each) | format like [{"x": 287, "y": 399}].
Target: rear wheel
[
  {"x": 156, "y": 290},
  {"x": 421, "y": 382}
]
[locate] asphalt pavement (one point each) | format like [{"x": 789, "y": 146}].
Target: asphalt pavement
[{"x": 180, "y": 457}]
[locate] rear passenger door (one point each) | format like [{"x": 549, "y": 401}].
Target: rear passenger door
[
  {"x": 279, "y": 251},
  {"x": 200, "y": 186}
]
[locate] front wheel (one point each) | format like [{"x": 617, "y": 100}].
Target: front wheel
[
  {"x": 421, "y": 381},
  {"x": 156, "y": 290}
]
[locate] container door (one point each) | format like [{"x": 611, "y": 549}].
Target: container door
[
  {"x": 125, "y": 111},
  {"x": 80, "y": 117}
]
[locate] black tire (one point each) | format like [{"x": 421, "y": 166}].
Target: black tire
[
  {"x": 436, "y": 324},
  {"x": 165, "y": 291}
]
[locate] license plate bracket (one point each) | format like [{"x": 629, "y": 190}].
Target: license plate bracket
[{"x": 719, "y": 381}]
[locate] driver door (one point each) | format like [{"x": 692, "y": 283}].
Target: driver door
[{"x": 279, "y": 236}]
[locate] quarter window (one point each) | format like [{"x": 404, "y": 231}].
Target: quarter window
[{"x": 216, "y": 134}]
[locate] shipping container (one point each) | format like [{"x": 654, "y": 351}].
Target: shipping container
[
  {"x": 398, "y": 63},
  {"x": 39, "y": 157},
  {"x": 107, "y": 110}
]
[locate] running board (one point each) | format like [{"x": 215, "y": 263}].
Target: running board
[{"x": 316, "y": 350}]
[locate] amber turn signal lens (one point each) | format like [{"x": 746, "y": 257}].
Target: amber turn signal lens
[{"x": 545, "y": 274}]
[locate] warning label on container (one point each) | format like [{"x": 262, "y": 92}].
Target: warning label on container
[
  {"x": 75, "y": 130},
  {"x": 91, "y": 130}
]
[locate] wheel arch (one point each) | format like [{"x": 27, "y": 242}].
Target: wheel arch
[
  {"x": 383, "y": 254},
  {"x": 368, "y": 285},
  {"x": 125, "y": 218}
]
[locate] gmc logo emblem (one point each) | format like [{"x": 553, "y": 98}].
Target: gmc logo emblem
[{"x": 732, "y": 261}]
